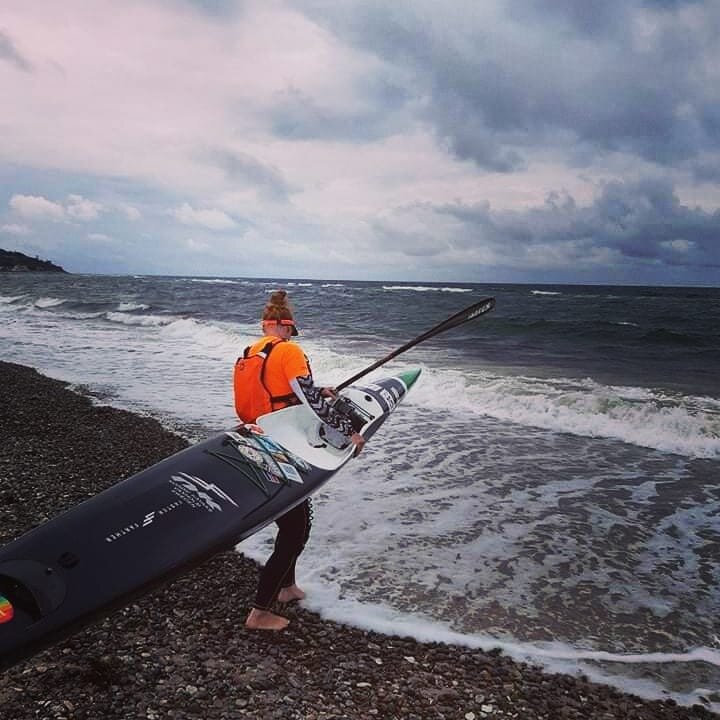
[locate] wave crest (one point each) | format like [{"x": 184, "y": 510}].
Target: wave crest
[
  {"x": 684, "y": 425},
  {"x": 426, "y": 288}
]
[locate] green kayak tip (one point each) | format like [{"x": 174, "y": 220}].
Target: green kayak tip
[{"x": 410, "y": 377}]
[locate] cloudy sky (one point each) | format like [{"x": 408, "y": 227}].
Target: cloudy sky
[{"x": 465, "y": 140}]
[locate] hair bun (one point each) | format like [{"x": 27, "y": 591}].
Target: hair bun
[
  {"x": 278, "y": 307},
  {"x": 279, "y": 297}
]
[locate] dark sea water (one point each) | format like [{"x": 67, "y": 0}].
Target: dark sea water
[{"x": 551, "y": 486}]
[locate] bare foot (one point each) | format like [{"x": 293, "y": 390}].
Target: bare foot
[
  {"x": 265, "y": 620},
  {"x": 288, "y": 594}
]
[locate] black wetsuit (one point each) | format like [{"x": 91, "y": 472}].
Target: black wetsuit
[
  {"x": 279, "y": 571},
  {"x": 294, "y": 526}
]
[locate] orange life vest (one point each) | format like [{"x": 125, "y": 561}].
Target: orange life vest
[{"x": 258, "y": 391}]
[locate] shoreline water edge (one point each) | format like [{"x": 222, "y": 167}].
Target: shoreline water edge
[{"x": 182, "y": 651}]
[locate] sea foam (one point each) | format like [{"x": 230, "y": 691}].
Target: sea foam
[
  {"x": 684, "y": 425},
  {"x": 330, "y": 603},
  {"x": 142, "y": 320},
  {"x": 9, "y": 299},
  {"x": 427, "y": 288},
  {"x": 48, "y": 302},
  {"x": 132, "y": 306}
]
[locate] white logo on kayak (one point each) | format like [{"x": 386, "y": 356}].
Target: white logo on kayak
[
  {"x": 197, "y": 493},
  {"x": 147, "y": 520},
  {"x": 391, "y": 398}
]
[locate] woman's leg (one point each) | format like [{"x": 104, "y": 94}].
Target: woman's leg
[{"x": 278, "y": 575}]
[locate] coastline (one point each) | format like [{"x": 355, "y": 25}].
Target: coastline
[{"x": 182, "y": 651}]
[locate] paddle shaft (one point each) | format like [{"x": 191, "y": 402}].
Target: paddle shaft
[{"x": 469, "y": 313}]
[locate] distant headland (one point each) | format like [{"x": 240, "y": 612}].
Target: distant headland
[{"x": 11, "y": 261}]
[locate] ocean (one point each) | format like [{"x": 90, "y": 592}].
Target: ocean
[{"x": 551, "y": 486}]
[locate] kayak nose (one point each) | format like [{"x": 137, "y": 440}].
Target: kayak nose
[{"x": 409, "y": 377}]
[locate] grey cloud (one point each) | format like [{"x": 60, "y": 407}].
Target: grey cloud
[
  {"x": 611, "y": 17},
  {"x": 642, "y": 221},
  {"x": 707, "y": 169},
  {"x": 648, "y": 219},
  {"x": 247, "y": 170},
  {"x": 589, "y": 18},
  {"x": 670, "y": 4},
  {"x": 410, "y": 243},
  {"x": 220, "y": 9},
  {"x": 10, "y": 53},
  {"x": 572, "y": 77},
  {"x": 300, "y": 117}
]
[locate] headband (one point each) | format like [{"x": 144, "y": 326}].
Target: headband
[{"x": 284, "y": 322}]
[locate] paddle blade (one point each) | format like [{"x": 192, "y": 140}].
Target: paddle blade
[{"x": 469, "y": 313}]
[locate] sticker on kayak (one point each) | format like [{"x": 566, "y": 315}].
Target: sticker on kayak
[
  {"x": 267, "y": 455},
  {"x": 6, "y": 610}
]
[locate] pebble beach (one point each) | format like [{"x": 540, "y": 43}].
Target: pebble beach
[{"x": 182, "y": 652}]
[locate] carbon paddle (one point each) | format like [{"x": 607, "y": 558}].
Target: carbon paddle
[{"x": 469, "y": 313}]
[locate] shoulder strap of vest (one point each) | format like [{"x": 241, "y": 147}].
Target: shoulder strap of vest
[{"x": 265, "y": 354}]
